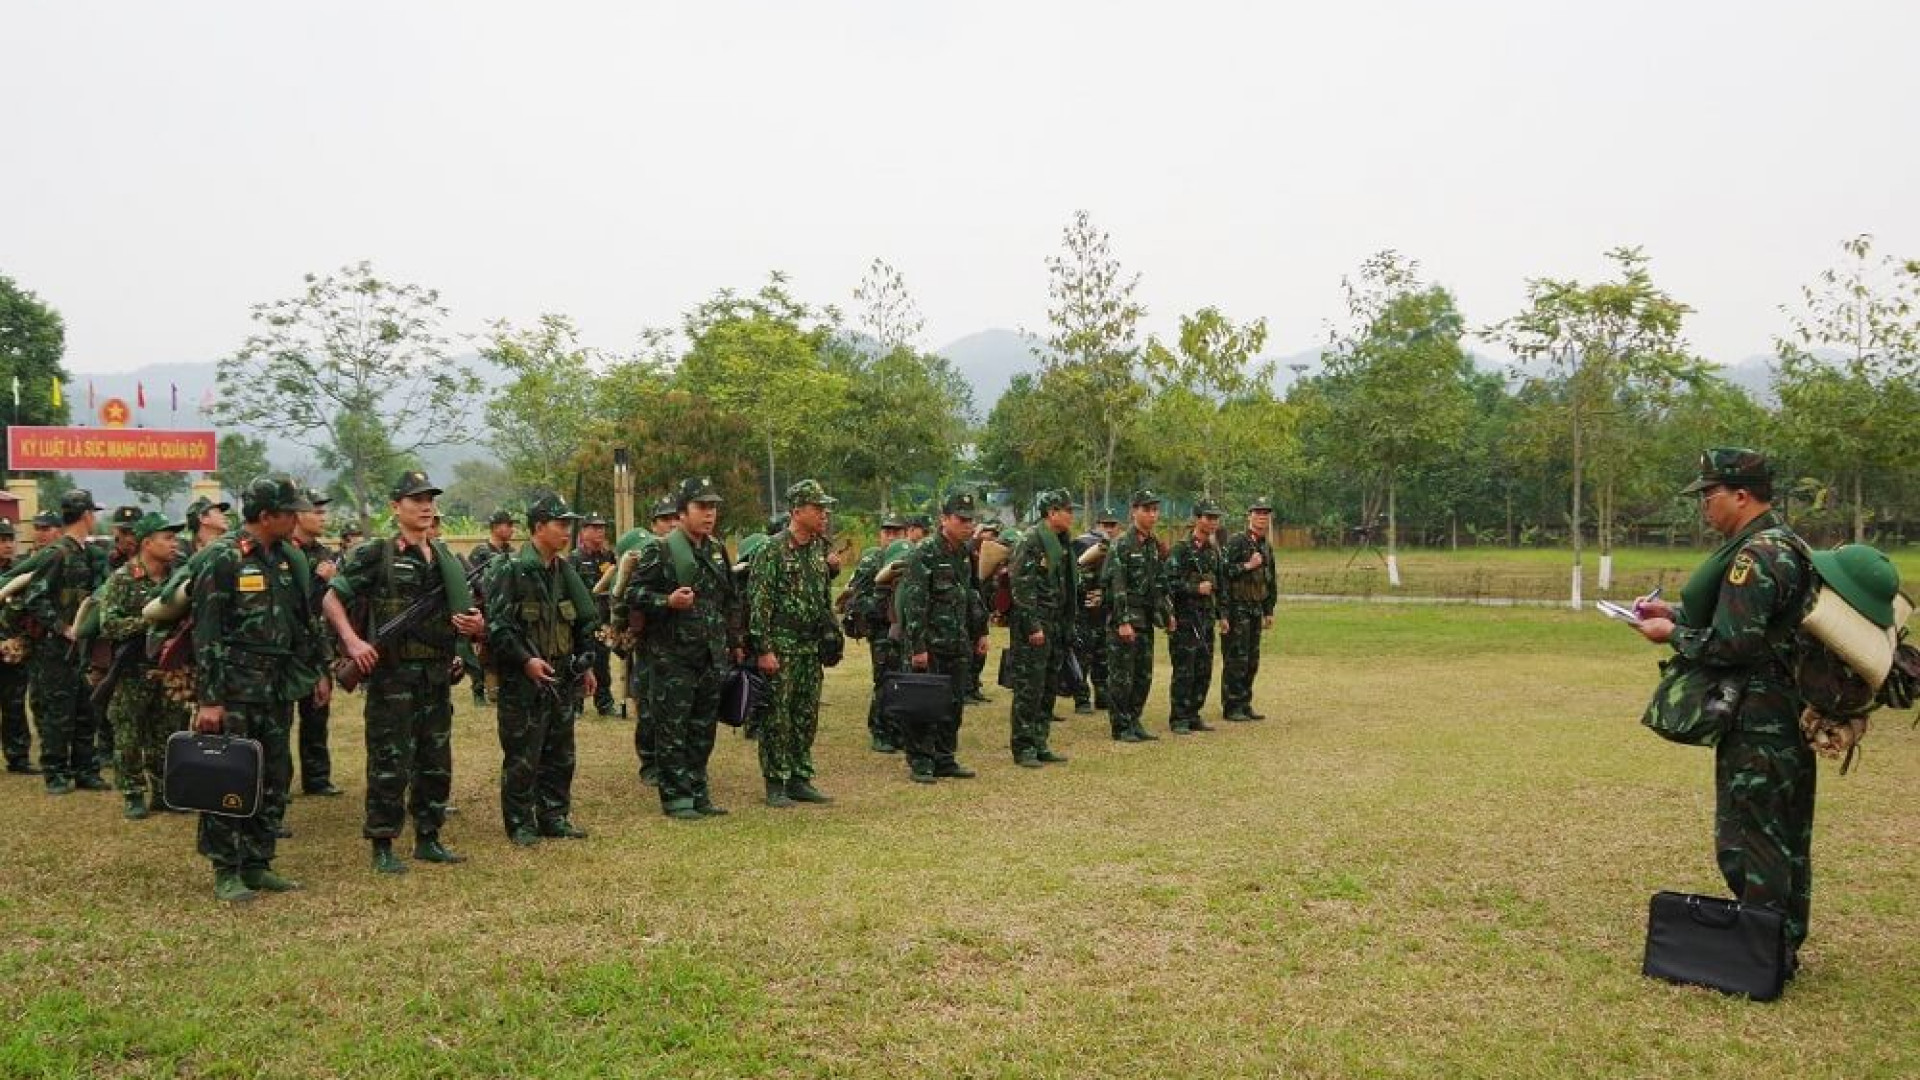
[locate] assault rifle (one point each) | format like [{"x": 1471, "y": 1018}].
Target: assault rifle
[
  {"x": 346, "y": 674},
  {"x": 123, "y": 658}
]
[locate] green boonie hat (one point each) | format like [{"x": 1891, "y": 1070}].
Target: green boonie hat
[
  {"x": 697, "y": 489},
  {"x": 809, "y": 493},
  {"x": 78, "y": 501},
  {"x": 748, "y": 546},
  {"x": 893, "y": 521},
  {"x": 501, "y": 517},
  {"x": 412, "y": 482},
  {"x": 6, "y": 529},
  {"x": 318, "y": 498},
  {"x": 272, "y": 495},
  {"x": 960, "y": 504},
  {"x": 631, "y": 539},
  {"x": 125, "y": 516},
  {"x": 154, "y": 523},
  {"x": 1732, "y": 466},
  {"x": 1146, "y": 497},
  {"x": 665, "y": 508},
  {"x": 592, "y": 519},
  {"x": 1864, "y": 577},
  {"x": 1109, "y": 516},
  {"x": 549, "y": 508},
  {"x": 896, "y": 550},
  {"x": 1260, "y": 503},
  {"x": 1206, "y": 508},
  {"x": 46, "y": 519}
]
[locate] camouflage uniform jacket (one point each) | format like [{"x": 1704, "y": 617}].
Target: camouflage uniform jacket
[
  {"x": 122, "y": 599},
  {"x": 937, "y": 604},
  {"x": 787, "y": 604},
  {"x": 73, "y": 571},
  {"x": 532, "y": 611},
  {"x": 705, "y": 634},
  {"x": 862, "y": 590},
  {"x": 1188, "y": 564},
  {"x": 1134, "y": 582},
  {"x": 1256, "y": 588},
  {"x": 390, "y": 574},
  {"x": 1044, "y": 584},
  {"x": 1761, "y": 599},
  {"x": 256, "y": 636}
]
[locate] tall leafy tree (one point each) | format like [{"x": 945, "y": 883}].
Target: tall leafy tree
[
  {"x": 157, "y": 488},
  {"x": 888, "y": 313},
  {"x": 356, "y": 367},
  {"x": 33, "y": 339},
  {"x": 1091, "y": 359},
  {"x": 908, "y": 411},
  {"x": 1213, "y": 364},
  {"x": 1849, "y": 375},
  {"x": 536, "y": 421},
  {"x": 241, "y": 458}
]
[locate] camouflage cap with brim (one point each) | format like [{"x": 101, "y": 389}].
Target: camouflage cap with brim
[
  {"x": 960, "y": 504},
  {"x": 412, "y": 482},
  {"x": 665, "y": 508},
  {"x": 6, "y": 529},
  {"x": 154, "y": 523},
  {"x": 274, "y": 495},
  {"x": 1048, "y": 501},
  {"x": 79, "y": 501},
  {"x": 124, "y": 517},
  {"x": 593, "y": 519},
  {"x": 1109, "y": 516},
  {"x": 920, "y": 521},
  {"x": 318, "y": 498},
  {"x": 1864, "y": 577},
  {"x": 1262, "y": 504},
  {"x": 893, "y": 521},
  {"x": 549, "y": 508},
  {"x": 1146, "y": 497},
  {"x": 1206, "y": 508},
  {"x": 1731, "y": 467},
  {"x": 203, "y": 504},
  {"x": 809, "y": 493},
  {"x": 502, "y": 517},
  {"x": 46, "y": 519},
  {"x": 697, "y": 489}
]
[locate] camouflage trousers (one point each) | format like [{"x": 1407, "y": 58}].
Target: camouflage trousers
[
  {"x": 886, "y": 655},
  {"x": 409, "y": 750},
  {"x": 249, "y": 843},
  {"x": 316, "y": 760},
  {"x": 1763, "y": 822},
  {"x": 603, "y": 680},
  {"x": 686, "y": 709},
  {"x": 786, "y": 740},
  {"x": 931, "y": 747},
  {"x": 1129, "y": 678},
  {"x": 61, "y": 712},
  {"x": 1090, "y": 645},
  {"x": 1239, "y": 658},
  {"x": 1191, "y": 649},
  {"x": 16, "y": 740},
  {"x": 646, "y": 737},
  {"x": 536, "y": 748},
  {"x": 1033, "y": 670},
  {"x": 142, "y": 716}
]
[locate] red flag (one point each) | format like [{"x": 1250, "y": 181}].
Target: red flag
[{"x": 140, "y": 395}]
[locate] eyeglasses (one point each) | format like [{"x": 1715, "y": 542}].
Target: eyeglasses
[{"x": 1707, "y": 495}]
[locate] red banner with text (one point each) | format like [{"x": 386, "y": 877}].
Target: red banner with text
[{"x": 110, "y": 448}]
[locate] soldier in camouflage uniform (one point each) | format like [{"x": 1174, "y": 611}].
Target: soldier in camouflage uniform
[
  {"x": 942, "y": 628},
  {"x": 125, "y": 544},
  {"x": 68, "y": 570},
  {"x": 1039, "y": 624},
  {"x": 1133, "y": 580},
  {"x": 1090, "y": 618},
  {"x": 140, "y": 712},
  {"x": 409, "y": 712},
  {"x": 1737, "y": 614},
  {"x": 499, "y": 543},
  {"x": 540, "y": 622},
  {"x": 646, "y": 735},
  {"x": 1196, "y": 576},
  {"x": 16, "y": 738},
  {"x": 206, "y": 522},
  {"x": 987, "y": 532},
  {"x": 256, "y": 645},
  {"x": 311, "y": 750},
  {"x": 592, "y": 559},
  {"x": 870, "y": 609},
  {"x": 1252, "y": 586},
  {"x": 684, "y": 586},
  {"x": 788, "y": 612}
]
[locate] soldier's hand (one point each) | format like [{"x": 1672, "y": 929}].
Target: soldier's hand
[
  {"x": 833, "y": 564},
  {"x": 1658, "y": 631},
  {"x": 980, "y": 645},
  {"x": 590, "y": 685},
  {"x": 681, "y": 598},
  {"x": 209, "y": 718},
  {"x": 919, "y": 661},
  {"x": 1266, "y": 622},
  {"x": 1125, "y": 632},
  {"x": 1256, "y": 562},
  {"x": 1037, "y": 638},
  {"x": 1225, "y": 628},
  {"x": 1206, "y": 588},
  {"x": 363, "y": 655},
  {"x": 539, "y": 671},
  {"x": 322, "y": 692},
  {"x": 1651, "y": 607},
  {"x": 768, "y": 663},
  {"x": 1172, "y": 624},
  {"x": 470, "y": 623},
  {"x": 326, "y": 570}
]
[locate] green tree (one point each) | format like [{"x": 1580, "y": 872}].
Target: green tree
[
  {"x": 1849, "y": 414},
  {"x": 1020, "y": 445},
  {"x": 1091, "y": 360},
  {"x": 478, "y": 488},
  {"x": 908, "y": 411},
  {"x": 158, "y": 488},
  {"x": 242, "y": 457},
  {"x": 1396, "y": 377},
  {"x": 356, "y": 368},
  {"x": 1212, "y": 365},
  {"x": 673, "y": 435},
  {"x": 1596, "y": 341},
  {"x": 33, "y": 339},
  {"x": 537, "y": 420}
]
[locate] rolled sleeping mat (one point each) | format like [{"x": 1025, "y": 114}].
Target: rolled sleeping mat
[
  {"x": 1867, "y": 648},
  {"x": 993, "y": 555},
  {"x": 1092, "y": 556}
]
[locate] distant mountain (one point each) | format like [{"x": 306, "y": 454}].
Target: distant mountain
[{"x": 988, "y": 361}]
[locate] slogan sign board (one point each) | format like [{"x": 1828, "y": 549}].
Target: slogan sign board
[{"x": 63, "y": 448}]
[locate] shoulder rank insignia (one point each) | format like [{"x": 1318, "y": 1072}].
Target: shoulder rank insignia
[{"x": 1741, "y": 570}]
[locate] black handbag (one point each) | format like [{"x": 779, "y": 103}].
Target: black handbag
[
  {"x": 914, "y": 700},
  {"x": 1722, "y": 944},
  {"x": 214, "y": 774},
  {"x": 1004, "y": 677},
  {"x": 742, "y": 691},
  {"x": 1071, "y": 677}
]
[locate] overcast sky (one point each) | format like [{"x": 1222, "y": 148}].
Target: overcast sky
[{"x": 166, "y": 165}]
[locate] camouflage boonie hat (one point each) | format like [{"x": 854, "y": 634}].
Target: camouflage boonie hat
[
  {"x": 809, "y": 493},
  {"x": 1206, "y": 508},
  {"x": 665, "y": 508},
  {"x": 318, "y": 498},
  {"x": 549, "y": 508},
  {"x": 78, "y": 501},
  {"x": 1109, "y": 516},
  {"x": 124, "y": 517},
  {"x": 502, "y": 517},
  {"x": 1732, "y": 466},
  {"x": 1146, "y": 497},
  {"x": 1261, "y": 504},
  {"x": 696, "y": 489},
  {"x": 960, "y": 504},
  {"x": 46, "y": 519},
  {"x": 412, "y": 482},
  {"x": 154, "y": 523},
  {"x": 272, "y": 495}
]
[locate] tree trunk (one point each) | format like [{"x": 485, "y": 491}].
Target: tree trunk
[
  {"x": 1606, "y": 535},
  {"x": 1859, "y": 511},
  {"x": 773, "y": 501},
  {"x": 1393, "y": 534},
  {"x": 1579, "y": 463}
]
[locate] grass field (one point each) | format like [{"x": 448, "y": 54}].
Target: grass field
[{"x": 1434, "y": 860}]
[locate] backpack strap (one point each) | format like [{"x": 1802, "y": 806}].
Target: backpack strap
[{"x": 680, "y": 551}]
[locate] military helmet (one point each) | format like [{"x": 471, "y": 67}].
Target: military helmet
[
  {"x": 1864, "y": 577},
  {"x": 272, "y": 495}
]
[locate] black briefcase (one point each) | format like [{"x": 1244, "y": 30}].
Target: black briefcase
[
  {"x": 913, "y": 700},
  {"x": 1071, "y": 677},
  {"x": 1005, "y": 677},
  {"x": 214, "y": 774},
  {"x": 743, "y": 690},
  {"x": 1722, "y": 944}
]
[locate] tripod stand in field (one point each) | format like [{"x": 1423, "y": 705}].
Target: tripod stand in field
[{"x": 1363, "y": 540}]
